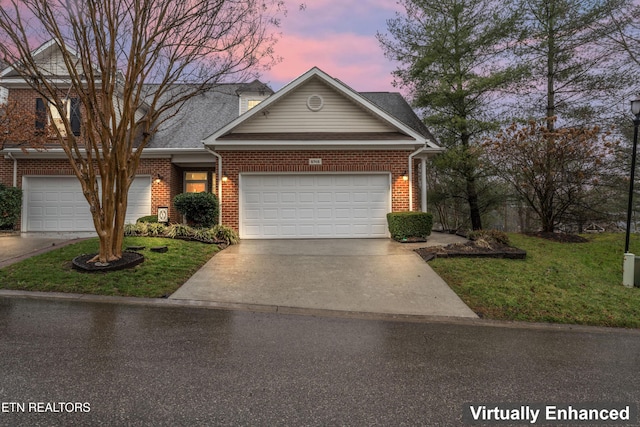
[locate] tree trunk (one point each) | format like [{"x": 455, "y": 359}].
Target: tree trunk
[{"x": 474, "y": 207}]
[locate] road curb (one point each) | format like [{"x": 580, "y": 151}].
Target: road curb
[{"x": 297, "y": 311}]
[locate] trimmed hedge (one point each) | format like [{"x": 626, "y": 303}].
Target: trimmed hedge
[
  {"x": 148, "y": 218},
  {"x": 10, "y": 206},
  {"x": 403, "y": 225},
  {"x": 200, "y": 209}
]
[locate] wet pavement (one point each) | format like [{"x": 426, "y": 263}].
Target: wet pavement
[
  {"x": 138, "y": 365},
  {"x": 355, "y": 275}
]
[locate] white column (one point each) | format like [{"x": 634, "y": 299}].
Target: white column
[{"x": 423, "y": 171}]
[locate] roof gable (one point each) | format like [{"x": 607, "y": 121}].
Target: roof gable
[
  {"x": 49, "y": 59},
  {"x": 273, "y": 116},
  {"x": 332, "y": 109}
]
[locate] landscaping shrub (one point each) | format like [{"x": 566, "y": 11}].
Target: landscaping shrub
[
  {"x": 179, "y": 230},
  {"x": 200, "y": 209},
  {"x": 156, "y": 229},
  {"x": 137, "y": 229},
  {"x": 226, "y": 234},
  {"x": 148, "y": 218},
  {"x": 489, "y": 236},
  {"x": 403, "y": 225},
  {"x": 10, "y": 206}
]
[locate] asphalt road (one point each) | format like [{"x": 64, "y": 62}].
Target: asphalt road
[{"x": 134, "y": 365}]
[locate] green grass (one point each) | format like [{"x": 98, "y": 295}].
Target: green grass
[
  {"x": 158, "y": 275},
  {"x": 579, "y": 283}
]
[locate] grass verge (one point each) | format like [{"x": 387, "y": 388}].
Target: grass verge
[
  {"x": 579, "y": 283},
  {"x": 160, "y": 273}
]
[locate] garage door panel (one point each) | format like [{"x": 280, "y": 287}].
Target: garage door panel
[
  {"x": 325, "y": 197},
  {"x": 306, "y": 214},
  {"x": 270, "y": 198},
  {"x": 341, "y": 213},
  {"x": 307, "y": 197},
  {"x": 57, "y": 204},
  {"x": 287, "y": 213},
  {"x": 314, "y": 205},
  {"x": 324, "y": 213},
  {"x": 270, "y": 213},
  {"x": 253, "y": 197},
  {"x": 343, "y": 197}
]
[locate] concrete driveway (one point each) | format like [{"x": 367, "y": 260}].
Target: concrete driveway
[
  {"x": 14, "y": 248},
  {"x": 356, "y": 275}
]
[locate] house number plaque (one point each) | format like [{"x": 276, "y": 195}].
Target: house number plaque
[
  {"x": 163, "y": 214},
  {"x": 315, "y": 162}
]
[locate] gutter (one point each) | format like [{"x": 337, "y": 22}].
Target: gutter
[{"x": 219, "y": 157}]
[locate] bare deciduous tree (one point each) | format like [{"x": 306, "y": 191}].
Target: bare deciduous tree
[
  {"x": 552, "y": 169},
  {"x": 131, "y": 64}
]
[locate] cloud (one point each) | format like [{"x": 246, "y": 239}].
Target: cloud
[
  {"x": 356, "y": 60},
  {"x": 338, "y": 36}
]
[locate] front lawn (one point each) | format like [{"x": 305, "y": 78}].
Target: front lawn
[
  {"x": 578, "y": 283},
  {"x": 160, "y": 273}
]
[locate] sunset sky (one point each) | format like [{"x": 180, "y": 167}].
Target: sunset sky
[{"x": 338, "y": 36}]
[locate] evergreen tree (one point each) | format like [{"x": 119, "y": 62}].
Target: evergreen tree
[{"x": 455, "y": 60}]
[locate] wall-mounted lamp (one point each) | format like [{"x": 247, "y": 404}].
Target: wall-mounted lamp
[
  {"x": 225, "y": 178},
  {"x": 405, "y": 177},
  {"x": 158, "y": 179}
]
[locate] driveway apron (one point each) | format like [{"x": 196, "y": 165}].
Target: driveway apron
[{"x": 356, "y": 275}]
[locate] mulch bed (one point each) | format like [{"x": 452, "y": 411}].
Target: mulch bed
[
  {"x": 472, "y": 249},
  {"x": 128, "y": 260}
]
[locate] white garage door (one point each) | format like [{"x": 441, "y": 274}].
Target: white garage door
[
  {"x": 314, "y": 206},
  {"x": 56, "y": 203}
]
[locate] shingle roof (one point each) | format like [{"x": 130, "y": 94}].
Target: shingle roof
[
  {"x": 395, "y": 104},
  {"x": 208, "y": 112},
  {"x": 198, "y": 118}
]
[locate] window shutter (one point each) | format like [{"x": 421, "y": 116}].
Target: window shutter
[
  {"x": 75, "y": 116},
  {"x": 41, "y": 114}
]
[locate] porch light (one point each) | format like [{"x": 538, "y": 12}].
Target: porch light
[
  {"x": 158, "y": 179},
  {"x": 225, "y": 178},
  {"x": 405, "y": 176}
]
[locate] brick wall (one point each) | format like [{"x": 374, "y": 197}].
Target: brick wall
[{"x": 236, "y": 162}]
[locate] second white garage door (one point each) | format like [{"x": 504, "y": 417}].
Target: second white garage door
[
  {"x": 314, "y": 205},
  {"x": 56, "y": 203}
]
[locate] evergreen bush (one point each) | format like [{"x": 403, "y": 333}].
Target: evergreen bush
[
  {"x": 10, "y": 206},
  {"x": 403, "y": 225},
  {"x": 199, "y": 209}
]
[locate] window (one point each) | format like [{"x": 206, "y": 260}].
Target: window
[
  {"x": 71, "y": 109},
  {"x": 196, "y": 182},
  {"x": 57, "y": 118},
  {"x": 252, "y": 103}
]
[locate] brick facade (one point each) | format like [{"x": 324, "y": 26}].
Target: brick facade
[
  {"x": 236, "y": 162},
  {"x": 162, "y": 192}
]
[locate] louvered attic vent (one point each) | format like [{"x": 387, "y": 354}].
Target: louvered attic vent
[{"x": 315, "y": 103}]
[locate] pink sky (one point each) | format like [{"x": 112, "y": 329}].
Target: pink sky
[{"x": 337, "y": 36}]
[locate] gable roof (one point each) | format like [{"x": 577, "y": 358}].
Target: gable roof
[
  {"x": 385, "y": 107},
  {"x": 43, "y": 51}
]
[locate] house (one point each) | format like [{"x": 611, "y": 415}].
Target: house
[{"x": 315, "y": 159}]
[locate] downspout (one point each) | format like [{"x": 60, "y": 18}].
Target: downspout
[
  {"x": 219, "y": 157},
  {"x": 15, "y": 169},
  {"x": 411, "y": 156}
]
